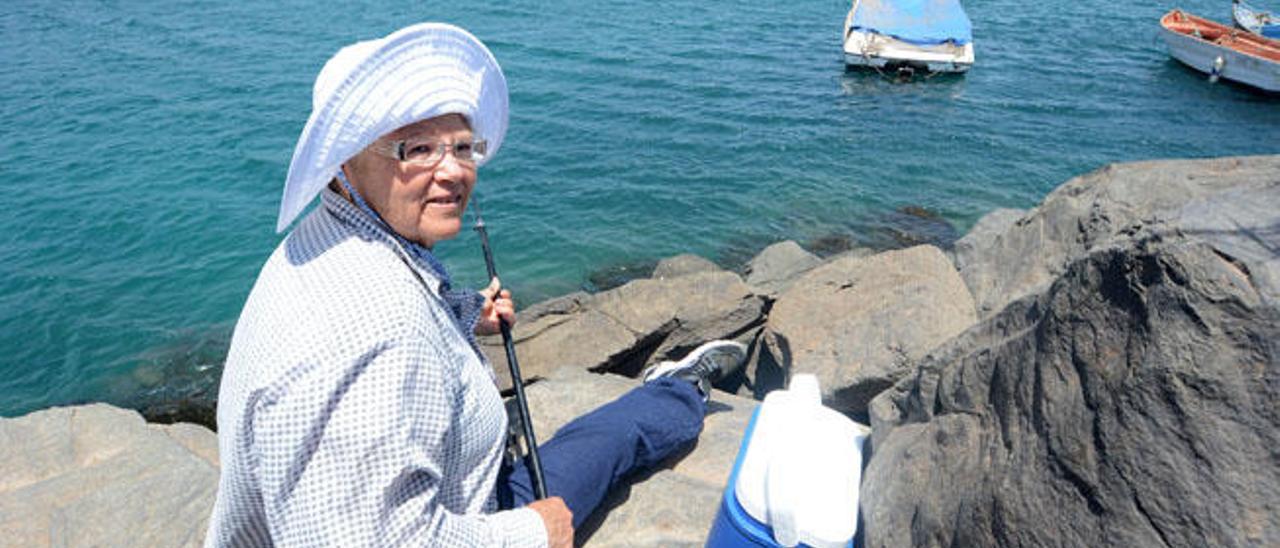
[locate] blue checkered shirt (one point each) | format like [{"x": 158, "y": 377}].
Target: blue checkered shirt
[{"x": 355, "y": 407}]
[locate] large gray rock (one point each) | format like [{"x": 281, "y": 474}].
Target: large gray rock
[
  {"x": 675, "y": 505},
  {"x": 623, "y": 329},
  {"x": 1093, "y": 209},
  {"x": 560, "y": 332},
  {"x": 980, "y": 237},
  {"x": 96, "y": 475},
  {"x": 672, "y": 316},
  {"x": 777, "y": 266},
  {"x": 860, "y": 323},
  {"x": 1131, "y": 404}
]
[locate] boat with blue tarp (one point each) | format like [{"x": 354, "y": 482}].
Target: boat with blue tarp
[{"x": 908, "y": 35}]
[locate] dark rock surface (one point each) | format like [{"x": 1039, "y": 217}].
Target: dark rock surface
[
  {"x": 175, "y": 382},
  {"x": 1112, "y": 202},
  {"x": 831, "y": 244},
  {"x": 910, "y": 226},
  {"x": 1132, "y": 404},
  {"x": 616, "y": 275},
  {"x": 200, "y": 408}
]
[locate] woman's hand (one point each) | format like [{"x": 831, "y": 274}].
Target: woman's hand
[
  {"x": 494, "y": 309},
  {"x": 558, "y": 519}
]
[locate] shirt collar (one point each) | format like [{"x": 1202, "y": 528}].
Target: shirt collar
[
  {"x": 428, "y": 267},
  {"x": 464, "y": 305}
]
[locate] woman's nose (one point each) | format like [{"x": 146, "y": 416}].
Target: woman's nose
[{"x": 451, "y": 169}]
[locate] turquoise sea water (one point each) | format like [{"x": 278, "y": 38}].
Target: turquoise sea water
[{"x": 145, "y": 145}]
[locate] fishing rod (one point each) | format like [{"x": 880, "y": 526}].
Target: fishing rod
[{"x": 534, "y": 464}]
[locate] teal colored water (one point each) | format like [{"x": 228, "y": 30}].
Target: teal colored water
[{"x": 145, "y": 145}]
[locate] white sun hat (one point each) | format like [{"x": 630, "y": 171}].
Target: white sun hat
[{"x": 369, "y": 89}]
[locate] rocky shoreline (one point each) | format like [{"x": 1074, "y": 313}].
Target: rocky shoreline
[{"x": 1099, "y": 370}]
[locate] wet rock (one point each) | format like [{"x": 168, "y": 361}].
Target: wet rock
[
  {"x": 738, "y": 251},
  {"x": 1113, "y": 202},
  {"x": 200, "y": 408},
  {"x": 617, "y": 275},
  {"x": 1130, "y": 404},
  {"x": 919, "y": 212},
  {"x": 97, "y": 475},
  {"x": 777, "y": 266},
  {"x": 681, "y": 265},
  {"x": 859, "y": 324},
  {"x": 177, "y": 381},
  {"x": 910, "y": 226},
  {"x": 831, "y": 244}
]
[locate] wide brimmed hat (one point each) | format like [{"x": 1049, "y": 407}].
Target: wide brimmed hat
[{"x": 371, "y": 88}]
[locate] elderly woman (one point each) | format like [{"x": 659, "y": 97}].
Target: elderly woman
[{"x": 356, "y": 408}]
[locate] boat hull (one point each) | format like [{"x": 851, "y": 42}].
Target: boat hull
[
  {"x": 1209, "y": 57},
  {"x": 864, "y": 48},
  {"x": 869, "y": 49}
]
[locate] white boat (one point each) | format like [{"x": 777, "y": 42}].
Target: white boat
[
  {"x": 1256, "y": 21},
  {"x": 908, "y": 35},
  {"x": 1221, "y": 51}
]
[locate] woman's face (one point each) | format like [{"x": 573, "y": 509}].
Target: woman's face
[{"x": 422, "y": 204}]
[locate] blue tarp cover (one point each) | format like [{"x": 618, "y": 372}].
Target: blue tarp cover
[{"x": 915, "y": 21}]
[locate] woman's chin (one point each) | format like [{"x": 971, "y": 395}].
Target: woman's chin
[{"x": 439, "y": 230}]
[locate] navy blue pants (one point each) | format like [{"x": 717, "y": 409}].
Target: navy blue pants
[{"x": 593, "y": 453}]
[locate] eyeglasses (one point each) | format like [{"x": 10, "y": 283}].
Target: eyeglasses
[{"x": 424, "y": 153}]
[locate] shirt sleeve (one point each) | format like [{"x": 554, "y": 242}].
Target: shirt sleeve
[{"x": 356, "y": 456}]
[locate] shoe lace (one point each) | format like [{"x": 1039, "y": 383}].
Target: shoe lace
[{"x": 712, "y": 363}]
